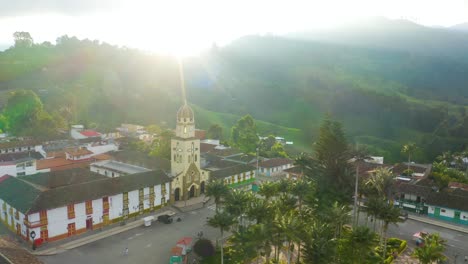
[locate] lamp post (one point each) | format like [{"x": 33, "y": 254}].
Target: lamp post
[
  {"x": 33, "y": 235},
  {"x": 257, "y": 162}
]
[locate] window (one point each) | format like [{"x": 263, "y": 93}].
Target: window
[
  {"x": 442, "y": 210},
  {"x": 43, "y": 217},
  {"x": 151, "y": 197},
  {"x": 140, "y": 196},
  {"x": 17, "y": 215},
  {"x": 125, "y": 201},
  {"x": 105, "y": 204},
  {"x": 196, "y": 157},
  {"x": 89, "y": 207},
  {"x": 163, "y": 189},
  {"x": 113, "y": 175},
  {"x": 71, "y": 211}
]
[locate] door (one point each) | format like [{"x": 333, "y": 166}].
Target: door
[
  {"x": 437, "y": 211},
  {"x": 202, "y": 187},
  {"x": 18, "y": 229},
  {"x": 177, "y": 194},
  {"x": 71, "y": 229},
  {"x": 457, "y": 216},
  {"x": 192, "y": 191},
  {"x": 44, "y": 234},
  {"x": 89, "y": 223}
]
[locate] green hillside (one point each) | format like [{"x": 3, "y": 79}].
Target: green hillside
[{"x": 384, "y": 97}]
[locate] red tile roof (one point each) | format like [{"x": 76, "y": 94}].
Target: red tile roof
[
  {"x": 90, "y": 133},
  {"x": 458, "y": 185},
  {"x": 79, "y": 152},
  {"x": 205, "y": 147}
]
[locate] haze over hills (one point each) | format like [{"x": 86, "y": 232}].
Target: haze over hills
[
  {"x": 400, "y": 35},
  {"x": 460, "y": 27},
  {"x": 385, "y": 88}
]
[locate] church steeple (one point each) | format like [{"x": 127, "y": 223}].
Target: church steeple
[{"x": 185, "y": 127}]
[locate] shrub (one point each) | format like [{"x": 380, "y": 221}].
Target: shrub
[
  {"x": 388, "y": 260},
  {"x": 204, "y": 248},
  {"x": 402, "y": 246}
]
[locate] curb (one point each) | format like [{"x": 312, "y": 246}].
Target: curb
[{"x": 436, "y": 223}]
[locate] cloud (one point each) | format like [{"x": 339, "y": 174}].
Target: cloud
[{"x": 9, "y": 8}]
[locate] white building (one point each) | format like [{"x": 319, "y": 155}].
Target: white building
[
  {"x": 274, "y": 166},
  {"x": 17, "y": 146},
  {"x": 112, "y": 168},
  {"x": 61, "y": 204},
  {"x": 19, "y": 163}
]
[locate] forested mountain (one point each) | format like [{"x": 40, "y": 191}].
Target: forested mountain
[
  {"x": 399, "y": 35},
  {"x": 385, "y": 96}
]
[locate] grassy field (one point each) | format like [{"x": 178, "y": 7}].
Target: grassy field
[{"x": 204, "y": 118}]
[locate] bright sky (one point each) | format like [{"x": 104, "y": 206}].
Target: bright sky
[{"x": 186, "y": 27}]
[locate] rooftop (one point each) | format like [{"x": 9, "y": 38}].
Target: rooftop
[
  {"x": 18, "y": 157},
  {"x": 141, "y": 159},
  {"x": 90, "y": 133},
  {"x": 275, "y": 162},
  {"x": 229, "y": 171},
  {"x": 117, "y": 166},
  {"x": 79, "y": 152},
  {"x": 18, "y": 143}
]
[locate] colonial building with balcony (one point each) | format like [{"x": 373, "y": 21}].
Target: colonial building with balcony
[{"x": 60, "y": 204}]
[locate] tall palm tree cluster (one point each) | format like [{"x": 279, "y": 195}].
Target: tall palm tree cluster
[{"x": 282, "y": 224}]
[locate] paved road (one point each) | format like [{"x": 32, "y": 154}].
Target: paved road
[
  {"x": 457, "y": 242},
  {"x": 153, "y": 244},
  {"x": 145, "y": 244}
]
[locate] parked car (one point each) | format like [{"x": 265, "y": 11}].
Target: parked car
[
  {"x": 166, "y": 219},
  {"x": 403, "y": 215}
]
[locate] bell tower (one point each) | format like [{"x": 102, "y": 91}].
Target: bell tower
[{"x": 185, "y": 156}]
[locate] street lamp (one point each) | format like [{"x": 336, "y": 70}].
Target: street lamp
[{"x": 257, "y": 163}]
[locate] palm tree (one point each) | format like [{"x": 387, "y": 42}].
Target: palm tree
[
  {"x": 319, "y": 248},
  {"x": 301, "y": 189},
  {"x": 432, "y": 250},
  {"x": 237, "y": 203},
  {"x": 409, "y": 149},
  {"x": 217, "y": 190},
  {"x": 287, "y": 226},
  {"x": 373, "y": 207},
  {"x": 302, "y": 161},
  {"x": 389, "y": 215},
  {"x": 359, "y": 155},
  {"x": 258, "y": 210},
  {"x": 223, "y": 221},
  {"x": 337, "y": 217},
  {"x": 381, "y": 181},
  {"x": 268, "y": 190},
  {"x": 359, "y": 243}
]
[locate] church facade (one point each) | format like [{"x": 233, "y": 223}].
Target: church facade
[{"x": 189, "y": 179}]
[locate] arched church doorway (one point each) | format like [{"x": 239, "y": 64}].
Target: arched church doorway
[
  {"x": 202, "y": 187},
  {"x": 192, "y": 191},
  {"x": 177, "y": 194}
]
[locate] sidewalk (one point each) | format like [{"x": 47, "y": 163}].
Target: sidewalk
[
  {"x": 96, "y": 236},
  {"x": 431, "y": 221}
]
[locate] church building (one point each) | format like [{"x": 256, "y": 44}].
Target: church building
[{"x": 189, "y": 179}]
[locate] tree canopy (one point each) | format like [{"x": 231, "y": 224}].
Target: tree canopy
[{"x": 244, "y": 134}]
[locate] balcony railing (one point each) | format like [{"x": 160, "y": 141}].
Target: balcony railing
[{"x": 36, "y": 223}]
